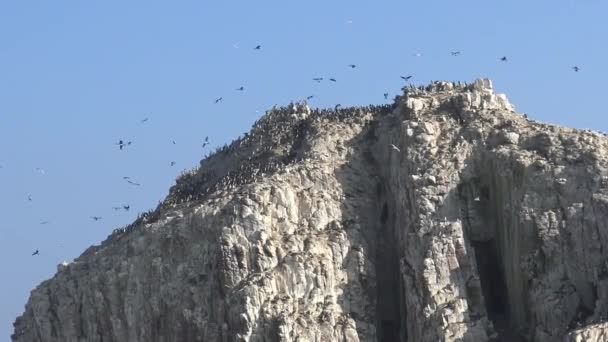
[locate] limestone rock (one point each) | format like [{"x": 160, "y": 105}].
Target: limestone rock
[{"x": 483, "y": 226}]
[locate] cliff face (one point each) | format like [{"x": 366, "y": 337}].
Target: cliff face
[{"x": 446, "y": 217}]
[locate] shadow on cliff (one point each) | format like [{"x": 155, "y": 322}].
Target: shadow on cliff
[{"x": 368, "y": 219}]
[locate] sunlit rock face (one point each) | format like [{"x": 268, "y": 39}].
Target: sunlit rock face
[{"x": 446, "y": 216}]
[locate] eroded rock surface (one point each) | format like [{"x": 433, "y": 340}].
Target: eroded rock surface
[{"x": 444, "y": 217}]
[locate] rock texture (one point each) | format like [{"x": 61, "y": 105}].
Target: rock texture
[{"x": 444, "y": 217}]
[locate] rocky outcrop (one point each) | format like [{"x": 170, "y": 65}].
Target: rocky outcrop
[{"x": 444, "y": 217}]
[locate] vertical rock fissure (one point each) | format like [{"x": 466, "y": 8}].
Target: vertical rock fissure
[{"x": 389, "y": 296}]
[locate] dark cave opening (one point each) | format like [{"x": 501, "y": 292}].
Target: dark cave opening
[
  {"x": 493, "y": 287},
  {"x": 389, "y": 293}
]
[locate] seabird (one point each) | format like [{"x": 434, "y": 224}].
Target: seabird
[
  {"x": 122, "y": 144},
  {"x": 576, "y": 68},
  {"x": 395, "y": 148},
  {"x": 318, "y": 79},
  {"x": 476, "y": 199},
  {"x": 218, "y": 99},
  {"x": 172, "y": 163},
  {"x": 241, "y": 88},
  {"x": 333, "y": 80},
  {"x": 29, "y": 198},
  {"x": 352, "y": 66},
  {"x": 258, "y": 47},
  {"x": 503, "y": 59},
  {"x": 130, "y": 182},
  {"x": 96, "y": 218},
  {"x": 406, "y": 78},
  {"x": 126, "y": 177},
  {"x": 144, "y": 120},
  {"x": 386, "y": 96},
  {"x": 126, "y": 207},
  {"x": 44, "y": 222},
  {"x": 455, "y": 53},
  {"x": 310, "y": 97},
  {"x": 36, "y": 253}
]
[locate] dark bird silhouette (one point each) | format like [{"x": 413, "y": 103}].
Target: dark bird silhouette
[
  {"x": 241, "y": 88},
  {"x": 318, "y": 79},
  {"x": 126, "y": 207},
  {"x": 172, "y": 163},
  {"x": 206, "y": 142},
  {"x": 173, "y": 141},
  {"x": 406, "y": 78},
  {"x": 126, "y": 177},
  {"x": 455, "y": 53},
  {"x": 134, "y": 183},
  {"x": 122, "y": 144},
  {"x": 36, "y": 253},
  {"x": 310, "y": 97},
  {"x": 576, "y": 68},
  {"x": 352, "y": 66},
  {"x": 29, "y": 198},
  {"x": 337, "y": 106},
  {"x": 45, "y": 222},
  {"x": 504, "y": 59},
  {"x": 116, "y": 208},
  {"x": 218, "y": 99},
  {"x": 96, "y": 218},
  {"x": 144, "y": 120},
  {"x": 258, "y": 47},
  {"x": 386, "y": 96},
  {"x": 333, "y": 80}
]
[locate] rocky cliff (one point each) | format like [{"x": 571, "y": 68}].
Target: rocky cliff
[{"x": 444, "y": 217}]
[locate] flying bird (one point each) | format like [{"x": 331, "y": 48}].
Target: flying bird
[
  {"x": 258, "y": 47},
  {"x": 352, "y": 66},
  {"x": 337, "y": 106},
  {"x": 173, "y": 141},
  {"x": 134, "y": 183},
  {"x": 218, "y": 99},
  {"x": 310, "y": 97},
  {"x": 333, "y": 80},
  {"x": 395, "y": 148},
  {"x": 126, "y": 177},
  {"x": 172, "y": 163},
  {"x": 36, "y": 253},
  {"x": 576, "y": 68},
  {"x": 29, "y": 198},
  {"x": 241, "y": 88},
  {"x": 386, "y": 96},
  {"x": 318, "y": 79},
  {"x": 126, "y": 207},
  {"x": 96, "y": 218},
  {"x": 45, "y": 222},
  {"x": 504, "y": 59},
  {"x": 455, "y": 53},
  {"x": 144, "y": 120},
  {"x": 406, "y": 78},
  {"x": 206, "y": 142},
  {"x": 122, "y": 144}
]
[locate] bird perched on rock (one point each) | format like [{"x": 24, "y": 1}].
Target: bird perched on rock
[
  {"x": 36, "y": 252},
  {"x": 395, "y": 148},
  {"x": 406, "y": 78}
]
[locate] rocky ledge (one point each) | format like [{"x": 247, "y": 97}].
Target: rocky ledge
[{"x": 446, "y": 216}]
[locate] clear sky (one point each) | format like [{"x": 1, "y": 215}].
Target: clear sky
[{"x": 77, "y": 76}]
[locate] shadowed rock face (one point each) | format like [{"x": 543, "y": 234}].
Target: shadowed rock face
[{"x": 480, "y": 225}]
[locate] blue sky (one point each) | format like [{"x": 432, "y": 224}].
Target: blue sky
[{"x": 77, "y": 76}]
